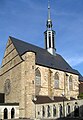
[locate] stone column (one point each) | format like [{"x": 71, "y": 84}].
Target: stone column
[
  {"x": 22, "y": 92},
  {"x": 29, "y": 85},
  {"x": 9, "y": 113},
  {"x": 16, "y": 113},
  {"x": 1, "y": 113}
]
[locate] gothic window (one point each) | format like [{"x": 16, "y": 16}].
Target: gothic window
[
  {"x": 54, "y": 110},
  {"x": 48, "y": 111},
  {"x": 56, "y": 80},
  {"x": 12, "y": 113},
  {"x": 38, "y": 78},
  {"x": 5, "y": 113},
  {"x": 43, "y": 111},
  {"x": 70, "y": 83}
]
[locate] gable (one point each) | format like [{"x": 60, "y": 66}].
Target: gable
[{"x": 11, "y": 57}]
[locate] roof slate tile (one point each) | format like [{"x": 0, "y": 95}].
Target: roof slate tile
[{"x": 43, "y": 57}]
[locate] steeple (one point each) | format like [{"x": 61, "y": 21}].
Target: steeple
[
  {"x": 49, "y": 33},
  {"x": 48, "y": 9},
  {"x": 49, "y": 21}
]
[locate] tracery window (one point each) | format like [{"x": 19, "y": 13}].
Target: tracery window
[
  {"x": 37, "y": 78},
  {"x": 56, "y": 80},
  {"x": 70, "y": 83}
]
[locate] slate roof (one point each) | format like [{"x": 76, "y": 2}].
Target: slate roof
[
  {"x": 80, "y": 78},
  {"x": 46, "y": 99},
  {"x": 9, "y": 104},
  {"x": 43, "y": 57}
]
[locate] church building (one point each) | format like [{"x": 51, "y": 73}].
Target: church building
[{"x": 37, "y": 83}]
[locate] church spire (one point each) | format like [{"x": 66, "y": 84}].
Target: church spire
[
  {"x": 49, "y": 21},
  {"x": 49, "y": 34},
  {"x": 48, "y": 9}
]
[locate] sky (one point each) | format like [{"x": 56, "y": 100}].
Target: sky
[{"x": 26, "y": 20}]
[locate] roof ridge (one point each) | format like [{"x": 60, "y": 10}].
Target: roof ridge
[
  {"x": 13, "y": 38},
  {"x": 43, "y": 57}
]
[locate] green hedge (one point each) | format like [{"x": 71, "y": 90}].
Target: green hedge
[{"x": 80, "y": 95}]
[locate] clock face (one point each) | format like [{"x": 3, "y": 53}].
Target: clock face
[{"x": 7, "y": 87}]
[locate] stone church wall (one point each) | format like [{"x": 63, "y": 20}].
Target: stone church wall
[
  {"x": 10, "y": 71},
  {"x": 47, "y": 83},
  {"x": 27, "y": 93}
]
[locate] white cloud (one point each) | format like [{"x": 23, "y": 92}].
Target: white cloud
[{"x": 74, "y": 61}]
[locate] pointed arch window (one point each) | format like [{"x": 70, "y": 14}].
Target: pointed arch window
[
  {"x": 56, "y": 80},
  {"x": 37, "y": 78},
  {"x": 70, "y": 83}
]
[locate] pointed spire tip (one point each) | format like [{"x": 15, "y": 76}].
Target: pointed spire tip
[{"x": 48, "y": 4}]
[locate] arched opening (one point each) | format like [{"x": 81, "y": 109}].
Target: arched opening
[
  {"x": 76, "y": 110},
  {"x": 56, "y": 80},
  {"x": 68, "y": 110},
  {"x": 48, "y": 111},
  {"x": 61, "y": 110},
  {"x": 43, "y": 111},
  {"x": 5, "y": 113},
  {"x": 12, "y": 113},
  {"x": 54, "y": 111}
]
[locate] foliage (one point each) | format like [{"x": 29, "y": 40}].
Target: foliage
[{"x": 80, "y": 95}]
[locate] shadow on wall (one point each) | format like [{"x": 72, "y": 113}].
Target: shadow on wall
[{"x": 77, "y": 114}]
